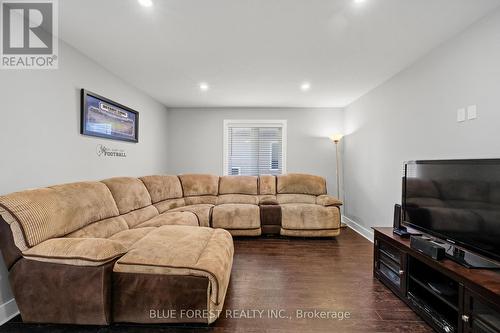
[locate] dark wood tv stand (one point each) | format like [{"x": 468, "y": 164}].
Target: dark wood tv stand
[{"x": 465, "y": 300}]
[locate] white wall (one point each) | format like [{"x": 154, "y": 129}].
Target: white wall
[
  {"x": 40, "y": 142},
  {"x": 195, "y": 138},
  {"x": 413, "y": 116}
]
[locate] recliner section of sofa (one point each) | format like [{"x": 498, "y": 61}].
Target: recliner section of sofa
[
  {"x": 306, "y": 208},
  {"x": 114, "y": 250},
  {"x": 237, "y": 207}
]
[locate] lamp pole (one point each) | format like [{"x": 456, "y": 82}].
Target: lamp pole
[{"x": 337, "y": 169}]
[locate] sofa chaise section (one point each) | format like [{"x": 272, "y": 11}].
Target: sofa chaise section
[{"x": 173, "y": 268}]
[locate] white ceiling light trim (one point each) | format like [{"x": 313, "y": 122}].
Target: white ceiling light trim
[
  {"x": 305, "y": 86},
  {"x": 204, "y": 86}
]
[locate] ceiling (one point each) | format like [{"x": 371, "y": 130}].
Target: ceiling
[{"x": 255, "y": 53}]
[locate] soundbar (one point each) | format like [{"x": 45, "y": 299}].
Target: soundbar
[{"x": 428, "y": 247}]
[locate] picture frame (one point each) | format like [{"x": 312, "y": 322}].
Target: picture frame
[{"x": 104, "y": 118}]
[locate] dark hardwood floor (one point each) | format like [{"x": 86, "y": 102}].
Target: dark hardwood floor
[{"x": 291, "y": 275}]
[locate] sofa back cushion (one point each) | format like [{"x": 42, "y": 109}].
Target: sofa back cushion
[
  {"x": 129, "y": 193},
  {"x": 163, "y": 187},
  {"x": 238, "y": 185},
  {"x": 199, "y": 184},
  {"x": 267, "y": 184},
  {"x": 59, "y": 210},
  {"x": 296, "y": 198},
  {"x": 296, "y": 183}
]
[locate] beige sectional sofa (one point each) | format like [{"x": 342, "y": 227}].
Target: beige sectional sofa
[{"x": 124, "y": 249}]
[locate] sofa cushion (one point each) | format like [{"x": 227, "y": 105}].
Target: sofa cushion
[
  {"x": 199, "y": 184},
  {"x": 203, "y": 212},
  {"x": 237, "y": 199},
  {"x": 201, "y": 200},
  {"x": 129, "y": 193},
  {"x": 309, "y": 217},
  {"x": 172, "y": 218},
  {"x": 183, "y": 250},
  {"x": 296, "y": 183},
  {"x": 56, "y": 211},
  {"x": 128, "y": 238},
  {"x": 266, "y": 200},
  {"x": 296, "y": 198},
  {"x": 238, "y": 185},
  {"x": 267, "y": 184},
  {"x": 163, "y": 187},
  {"x": 328, "y": 200},
  {"x": 165, "y": 205},
  {"x": 76, "y": 251},
  {"x": 139, "y": 216},
  {"x": 236, "y": 216},
  {"x": 101, "y": 229}
]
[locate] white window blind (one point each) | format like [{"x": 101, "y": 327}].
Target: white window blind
[{"x": 254, "y": 147}]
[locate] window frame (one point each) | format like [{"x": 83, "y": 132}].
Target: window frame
[{"x": 253, "y": 123}]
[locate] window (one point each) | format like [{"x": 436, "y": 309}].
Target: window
[{"x": 254, "y": 147}]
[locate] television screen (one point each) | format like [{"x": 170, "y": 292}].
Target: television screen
[
  {"x": 104, "y": 118},
  {"x": 457, "y": 200}
]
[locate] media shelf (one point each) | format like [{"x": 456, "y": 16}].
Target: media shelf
[{"x": 448, "y": 296}]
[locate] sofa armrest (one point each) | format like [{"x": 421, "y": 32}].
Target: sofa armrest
[
  {"x": 76, "y": 251},
  {"x": 327, "y": 200},
  {"x": 268, "y": 201}
]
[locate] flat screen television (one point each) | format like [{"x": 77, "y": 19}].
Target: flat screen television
[{"x": 455, "y": 200}]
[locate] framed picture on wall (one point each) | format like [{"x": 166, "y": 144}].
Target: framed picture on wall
[{"x": 104, "y": 118}]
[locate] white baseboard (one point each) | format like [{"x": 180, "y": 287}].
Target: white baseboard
[
  {"x": 8, "y": 310},
  {"x": 366, "y": 233}
]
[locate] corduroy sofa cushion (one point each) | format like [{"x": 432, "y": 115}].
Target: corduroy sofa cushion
[
  {"x": 76, "y": 251},
  {"x": 59, "y": 210}
]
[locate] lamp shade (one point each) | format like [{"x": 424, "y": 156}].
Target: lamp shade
[{"x": 336, "y": 137}]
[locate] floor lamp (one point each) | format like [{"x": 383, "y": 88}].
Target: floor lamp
[{"x": 336, "y": 139}]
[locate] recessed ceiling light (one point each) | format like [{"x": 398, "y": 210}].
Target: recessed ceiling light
[
  {"x": 204, "y": 86},
  {"x": 146, "y": 3},
  {"x": 305, "y": 86},
  {"x": 359, "y": 1}
]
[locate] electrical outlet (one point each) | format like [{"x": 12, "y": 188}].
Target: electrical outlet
[
  {"x": 471, "y": 112},
  {"x": 460, "y": 115}
]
